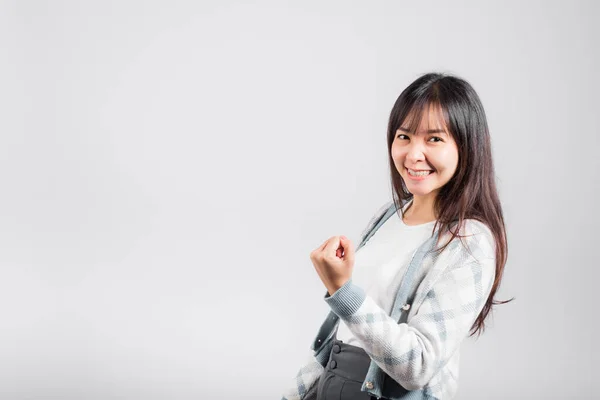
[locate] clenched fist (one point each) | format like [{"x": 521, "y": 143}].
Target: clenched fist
[{"x": 334, "y": 260}]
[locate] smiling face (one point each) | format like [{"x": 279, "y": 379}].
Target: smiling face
[{"x": 430, "y": 152}]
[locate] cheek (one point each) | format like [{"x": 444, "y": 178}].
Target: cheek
[
  {"x": 396, "y": 153},
  {"x": 448, "y": 160}
]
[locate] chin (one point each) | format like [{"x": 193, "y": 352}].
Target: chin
[{"x": 419, "y": 192}]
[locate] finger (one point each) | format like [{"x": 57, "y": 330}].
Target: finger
[
  {"x": 326, "y": 244},
  {"x": 341, "y": 248},
  {"x": 332, "y": 245},
  {"x": 319, "y": 248},
  {"x": 348, "y": 249}
]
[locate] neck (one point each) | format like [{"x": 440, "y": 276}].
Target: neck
[{"x": 420, "y": 210}]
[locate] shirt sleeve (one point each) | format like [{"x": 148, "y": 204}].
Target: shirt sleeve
[
  {"x": 412, "y": 353},
  {"x": 304, "y": 385}
]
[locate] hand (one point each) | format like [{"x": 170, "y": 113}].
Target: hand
[{"x": 334, "y": 261}]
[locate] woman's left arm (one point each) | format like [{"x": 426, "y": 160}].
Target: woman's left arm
[{"x": 412, "y": 353}]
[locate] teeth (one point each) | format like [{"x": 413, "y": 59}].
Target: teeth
[{"x": 420, "y": 173}]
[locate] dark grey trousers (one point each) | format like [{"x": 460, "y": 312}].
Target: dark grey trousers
[{"x": 344, "y": 374}]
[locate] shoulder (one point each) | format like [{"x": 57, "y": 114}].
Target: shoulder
[
  {"x": 480, "y": 235},
  {"x": 475, "y": 228},
  {"x": 381, "y": 210},
  {"x": 379, "y": 213},
  {"x": 475, "y": 240}
]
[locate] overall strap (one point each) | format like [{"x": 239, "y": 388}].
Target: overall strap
[
  {"x": 407, "y": 281},
  {"x": 378, "y": 221}
]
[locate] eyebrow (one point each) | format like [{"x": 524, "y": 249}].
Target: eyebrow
[{"x": 428, "y": 131}]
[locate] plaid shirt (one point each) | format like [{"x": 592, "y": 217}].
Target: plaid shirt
[{"x": 417, "y": 345}]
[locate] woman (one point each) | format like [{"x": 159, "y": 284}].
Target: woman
[{"x": 425, "y": 277}]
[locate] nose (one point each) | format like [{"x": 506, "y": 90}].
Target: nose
[{"x": 415, "y": 153}]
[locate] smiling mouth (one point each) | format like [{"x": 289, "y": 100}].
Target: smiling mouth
[{"x": 419, "y": 173}]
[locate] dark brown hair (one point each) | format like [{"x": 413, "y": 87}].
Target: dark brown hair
[{"x": 471, "y": 192}]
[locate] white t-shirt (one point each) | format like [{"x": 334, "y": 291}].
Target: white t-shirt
[{"x": 380, "y": 264}]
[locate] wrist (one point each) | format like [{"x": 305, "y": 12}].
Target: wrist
[
  {"x": 346, "y": 300},
  {"x": 334, "y": 287}
]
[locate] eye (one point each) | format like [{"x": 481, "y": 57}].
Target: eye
[{"x": 438, "y": 139}]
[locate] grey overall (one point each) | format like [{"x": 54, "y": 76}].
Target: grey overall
[{"x": 344, "y": 373}]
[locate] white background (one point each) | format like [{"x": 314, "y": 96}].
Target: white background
[{"x": 168, "y": 166}]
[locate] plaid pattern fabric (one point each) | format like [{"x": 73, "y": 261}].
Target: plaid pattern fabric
[
  {"x": 305, "y": 382},
  {"x": 420, "y": 353}
]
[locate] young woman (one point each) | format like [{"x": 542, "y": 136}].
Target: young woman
[{"x": 430, "y": 260}]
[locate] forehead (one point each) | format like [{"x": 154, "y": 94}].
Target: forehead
[{"x": 431, "y": 119}]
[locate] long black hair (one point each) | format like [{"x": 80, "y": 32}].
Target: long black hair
[{"x": 471, "y": 192}]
